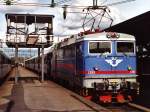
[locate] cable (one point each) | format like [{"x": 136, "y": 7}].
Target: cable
[
  {"x": 62, "y": 1},
  {"x": 68, "y": 6},
  {"x": 104, "y": 2},
  {"x": 121, "y": 2}
]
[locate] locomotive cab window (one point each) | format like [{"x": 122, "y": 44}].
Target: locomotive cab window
[
  {"x": 99, "y": 47},
  {"x": 125, "y": 47}
]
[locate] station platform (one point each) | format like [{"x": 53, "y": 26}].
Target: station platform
[
  {"x": 31, "y": 95},
  {"x": 23, "y": 73}
]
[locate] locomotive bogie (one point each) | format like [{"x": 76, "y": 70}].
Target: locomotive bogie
[{"x": 89, "y": 83}]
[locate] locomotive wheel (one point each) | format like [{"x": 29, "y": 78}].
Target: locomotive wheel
[
  {"x": 84, "y": 92},
  {"x": 134, "y": 94}
]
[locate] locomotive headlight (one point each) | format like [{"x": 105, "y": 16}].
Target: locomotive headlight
[
  {"x": 112, "y": 35},
  {"x": 96, "y": 68},
  {"x": 129, "y": 67}
]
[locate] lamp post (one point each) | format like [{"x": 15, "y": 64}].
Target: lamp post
[{"x": 16, "y": 64}]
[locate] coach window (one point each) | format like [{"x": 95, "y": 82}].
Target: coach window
[
  {"x": 99, "y": 47},
  {"x": 125, "y": 47}
]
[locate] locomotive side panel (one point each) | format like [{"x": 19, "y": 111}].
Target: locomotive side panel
[
  {"x": 64, "y": 63},
  {"x": 101, "y": 62}
]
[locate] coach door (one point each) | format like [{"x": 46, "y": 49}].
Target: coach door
[{"x": 79, "y": 58}]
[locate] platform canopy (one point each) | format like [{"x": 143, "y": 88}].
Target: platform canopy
[
  {"x": 139, "y": 27},
  {"x": 29, "y": 30}
]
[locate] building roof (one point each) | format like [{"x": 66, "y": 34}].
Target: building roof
[
  {"x": 21, "y": 18},
  {"x": 138, "y": 26}
]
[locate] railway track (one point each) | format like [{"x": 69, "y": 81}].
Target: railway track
[
  {"x": 129, "y": 107},
  {"x": 17, "y": 97},
  {"x": 114, "y": 108}
]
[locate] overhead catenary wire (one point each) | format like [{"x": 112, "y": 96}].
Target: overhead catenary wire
[{"x": 58, "y": 4}]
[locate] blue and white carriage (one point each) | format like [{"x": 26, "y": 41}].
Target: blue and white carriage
[
  {"x": 5, "y": 66},
  {"x": 102, "y": 63}
]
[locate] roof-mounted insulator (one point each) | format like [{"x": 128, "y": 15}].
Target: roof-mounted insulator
[
  {"x": 90, "y": 32},
  {"x": 112, "y": 35}
]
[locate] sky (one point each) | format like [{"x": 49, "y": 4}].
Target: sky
[{"x": 73, "y": 22}]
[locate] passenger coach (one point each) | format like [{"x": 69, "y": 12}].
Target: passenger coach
[{"x": 5, "y": 66}]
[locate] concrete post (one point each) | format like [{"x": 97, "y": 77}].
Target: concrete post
[
  {"x": 42, "y": 79},
  {"x": 39, "y": 62},
  {"x": 16, "y": 64}
]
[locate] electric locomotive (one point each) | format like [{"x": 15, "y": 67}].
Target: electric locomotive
[{"x": 100, "y": 65}]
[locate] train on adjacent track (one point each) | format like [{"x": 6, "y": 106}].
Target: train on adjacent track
[
  {"x": 99, "y": 65},
  {"x": 5, "y": 66}
]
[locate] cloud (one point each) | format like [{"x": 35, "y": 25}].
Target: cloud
[
  {"x": 116, "y": 15},
  {"x": 73, "y": 22},
  {"x": 14, "y": 9}
]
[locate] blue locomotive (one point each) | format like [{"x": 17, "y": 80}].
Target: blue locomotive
[{"x": 99, "y": 65}]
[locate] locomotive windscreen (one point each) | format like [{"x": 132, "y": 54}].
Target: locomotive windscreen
[
  {"x": 99, "y": 47},
  {"x": 125, "y": 47}
]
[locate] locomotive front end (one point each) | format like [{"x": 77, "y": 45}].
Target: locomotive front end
[{"x": 110, "y": 67}]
